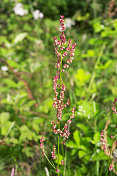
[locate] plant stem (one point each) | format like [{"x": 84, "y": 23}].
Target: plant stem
[
  {"x": 97, "y": 162},
  {"x": 49, "y": 161},
  {"x": 61, "y": 67},
  {"x": 102, "y": 169},
  {"x": 58, "y": 155},
  {"x": 97, "y": 166},
  {"x": 96, "y": 64},
  {"x": 65, "y": 161}
]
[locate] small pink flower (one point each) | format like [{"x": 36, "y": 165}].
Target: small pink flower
[
  {"x": 57, "y": 170},
  {"x": 110, "y": 167},
  {"x": 53, "y": 152},
  {"x": 114, "y": 106},
  {"x": 111, "y": 136},
  {"x": 42, "y": 146},
  {"x": 69, "y": 121},
  {"x": 62, "y": 162}
]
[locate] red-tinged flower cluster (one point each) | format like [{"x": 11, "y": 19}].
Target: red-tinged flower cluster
[
  {"x": 61, "y": 50},
  {"x": 41, "y": 145},
  {"x": 114, "y": 106},
  {"x": 62, "y": 23},
  {"x": 65, "y": 132},
  {"x": 53, "y": 152},
  {"x": 104, "y": 143}
]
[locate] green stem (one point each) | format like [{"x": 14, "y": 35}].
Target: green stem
[
  {"x": 58, "y": 155},
  {"x": 96, "y": 64},
  {"x": 63, "y": 157},
  {"x": 97, "y": 166},
  {"x": 59, "y": 120},
  {"x": 102, "y": 169},
  {"x": 61, "y": 67},
  {"x": 49, "y": 161},
  {"x": 65, "y": 161},
  {"x": 97, "y": 162}
]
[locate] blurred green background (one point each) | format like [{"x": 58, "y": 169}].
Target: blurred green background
[{"x": 27, "y": 68}]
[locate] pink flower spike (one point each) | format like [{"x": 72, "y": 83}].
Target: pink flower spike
[{"x": 13, "y": 172}]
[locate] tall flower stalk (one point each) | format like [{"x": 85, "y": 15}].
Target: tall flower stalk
[{"x": 65, "y": 55}]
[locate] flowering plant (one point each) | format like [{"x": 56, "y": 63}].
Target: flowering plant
[{"x": 62, "y": 51}]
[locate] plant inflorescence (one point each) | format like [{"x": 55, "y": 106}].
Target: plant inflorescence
[{"x": 62, "y": 50}]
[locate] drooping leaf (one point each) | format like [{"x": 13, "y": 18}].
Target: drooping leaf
[{"x": 19, "y": 37}]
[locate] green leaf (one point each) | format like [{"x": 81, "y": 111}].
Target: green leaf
[
  {"x": 20, "y": 37},
  {"x": 13, "y": 63},
  {"x": 28, "y": 151},
  {"x": 10, "y": 83},
  {"x": 4, "y": 116},
  {"x": 14, "y": 141},
  {"x": 36, "y": 122},
  {"x": 11, "y": 140},
  {"x": 90, "y": 53},
  {"x": 76, "y": 137},
  {"x": 73, "y": 151},
  {"x": 99, "y": 156},
  {"x": 82, "y": 76},
  {"x": 107, "y": 64},
  {"x": 71, "y": 144},
  {"x": 82, "y": 127},
  {"x": 60, "y": 159},
  {"x": 82, "y": 153},
  {"x": 26, "y": 133},
  {"x": 82, "y": 147},
  {"x": 5, "y": 128},
  {"x": 11, "y": 126},
  {"x": 96, "y": 137}
]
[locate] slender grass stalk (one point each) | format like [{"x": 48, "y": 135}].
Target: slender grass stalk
[
  {"x": 65, "y": 161},
  {"x": 49, "y": 161},
  {"x": 97, "y": 162},
  {"x": 101, "y": 169},
  {"x": 96, "y": 64},
  {"x": 61, "y": 67},
  {"x": 97, "y": 166}
]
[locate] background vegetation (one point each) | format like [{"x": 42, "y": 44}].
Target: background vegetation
[{"x": 27, "y": 62}]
